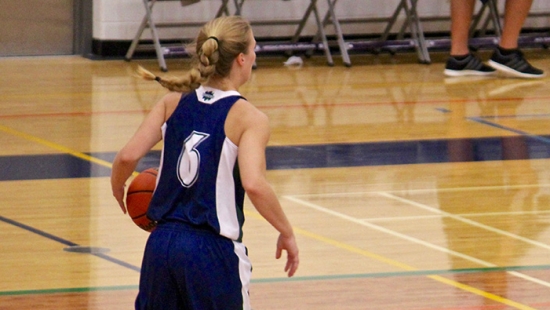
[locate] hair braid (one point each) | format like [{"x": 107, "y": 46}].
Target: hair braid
[{"x": 217, "y": 45}]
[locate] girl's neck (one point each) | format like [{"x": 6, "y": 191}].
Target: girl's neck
[{"x": 221, "y": 84}]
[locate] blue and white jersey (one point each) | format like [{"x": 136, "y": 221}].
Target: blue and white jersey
[{"x": 198, "y": 182}]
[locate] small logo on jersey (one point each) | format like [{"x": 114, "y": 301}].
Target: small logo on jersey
[{"x": 208, "y": 95}]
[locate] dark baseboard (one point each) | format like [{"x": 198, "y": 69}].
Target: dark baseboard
[{"x": 117, "y": 49}]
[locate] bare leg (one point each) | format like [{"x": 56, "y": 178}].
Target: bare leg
[
  {"x": 461, "y": 18},
  {"x": 516, "y": 12}
]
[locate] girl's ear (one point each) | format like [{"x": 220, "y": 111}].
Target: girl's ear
[{"x": 240, "y": 59}]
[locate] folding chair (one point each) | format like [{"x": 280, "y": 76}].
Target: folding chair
[
  {"x": 412, "y": 21},
  {"x": 149, "y": 23},
  {"x": 294, "y": 45},
  {"x": 492, "y": 16}
]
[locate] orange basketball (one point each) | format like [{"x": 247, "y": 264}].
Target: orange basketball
[{"x": 139, "y": 196}]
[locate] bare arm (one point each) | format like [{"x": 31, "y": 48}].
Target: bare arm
[
  {"x": 252, "y": 164},
  {"x": 148, "y": 134}
]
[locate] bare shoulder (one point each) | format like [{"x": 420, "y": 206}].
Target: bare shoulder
[
  {"x": 173, "y": 96},
  {"x": 245, "y": 117},
  {"x": 172, "y": 99},
  {"x": 169, "y": 103},
  {"x": 248, "y": 113}
]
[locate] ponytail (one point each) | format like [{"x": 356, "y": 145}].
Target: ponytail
[{"x": 217, "y": 45}]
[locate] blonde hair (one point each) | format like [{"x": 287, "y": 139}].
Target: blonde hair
[{"x": 217, "y": 45}]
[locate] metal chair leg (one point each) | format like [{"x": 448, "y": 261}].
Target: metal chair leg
[{"x": 339, "y": 34}]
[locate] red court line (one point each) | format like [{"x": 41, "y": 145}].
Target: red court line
[
  {"x": 298, "y": 105},
  {"x": 73, "y": 114}
]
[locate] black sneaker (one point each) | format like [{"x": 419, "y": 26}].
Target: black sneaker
[
  {"x": 514, "y": 64},
  {"x": 470, "y": 65}
]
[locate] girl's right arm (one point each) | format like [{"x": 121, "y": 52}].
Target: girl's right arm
[{"x": 148, "y": 135}]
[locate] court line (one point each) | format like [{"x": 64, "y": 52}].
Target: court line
[
  {"x": 515, "y": 116},
  {"x": 520, "y": 132},
  {"x": 37, "y": 231},
  {"x": 69, "y": 290},
  {"x": 537, "y": 212},
  {"x": 67, "y": 242},
  {"x": 427, "y": 190},
  {"x": 336, "y": 243},
  {"x": 296, "y": 105},
  {"x": 407, "y": 267},
  {"x": 373, "y": 275},
  {"x": 479, "y": 225},
  {"x": 387, "y": 231},
  {"x": 412, "y": 273},
  {"x": 59, "y": 147},
  {"x": 399, "y": 235},
  {"x": 420, "y": 217},
  {"x": 402, "y": 218},
  {"x": 67, "y": 114},
  {"x": 75, "y": 154},
  {"x": 55, "y": 146},
  {"x": 465, "y": 220}
]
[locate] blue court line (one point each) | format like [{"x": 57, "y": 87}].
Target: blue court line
[
  {"x": 443, "y": 110},
  {"x": 336, "y": 155},
  {"x": 37, "y": 231},
  {"x": 520, "y": 132},
  {"x": 298, "y": 279},
  {"x": 117, "y": 261},
  {"x": 517, "y": 116},
  {"x": 481, "y": 120},
  {"x": 66, "y": 242}
]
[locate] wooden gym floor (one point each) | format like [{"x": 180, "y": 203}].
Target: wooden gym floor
[{"x": 406, "y": 190}]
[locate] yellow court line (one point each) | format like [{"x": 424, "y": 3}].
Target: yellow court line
[
  {"x": 482, "y": 293},
  {"x": 395, "y": 263},
  {"x": 56, "y": 146}
]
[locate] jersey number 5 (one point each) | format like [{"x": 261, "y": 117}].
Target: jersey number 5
[{"x": 190, "y": 159}]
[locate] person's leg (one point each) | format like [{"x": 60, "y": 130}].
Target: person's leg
[
  {"x": 507, "y": 57},
  {"x": 213, "y": 271},
  {"x": 461, "y": 62},
  {"x": 461, "y": 18},
  {"x": 157, "y": 287},
  {"x": 515, "y": 13}
]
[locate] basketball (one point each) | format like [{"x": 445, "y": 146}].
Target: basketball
[{"x": 139, "y": 196}]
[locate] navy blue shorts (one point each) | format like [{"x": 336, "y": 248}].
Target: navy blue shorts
[{"x": 186, "y": 268}]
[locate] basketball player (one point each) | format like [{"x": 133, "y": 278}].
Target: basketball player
[{"x": 214, "y": 144}]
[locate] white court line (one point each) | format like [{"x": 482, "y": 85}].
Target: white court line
[
  {"x": 420, "y": 217},
  {"x": 401, "y": 218},
  {"x": 387, "y": 231},
  {"x": 427, "y": 190},
  {"x": 536, "y": 212},
  {"x": 409, "y": 238},
  {"x": 465, "y": 220}
]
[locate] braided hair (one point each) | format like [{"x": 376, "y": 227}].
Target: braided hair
[{"x": 217, "y": 45}]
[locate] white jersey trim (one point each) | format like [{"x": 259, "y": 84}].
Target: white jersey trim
[
  {"x": 163, "y": 129},
  {"x": 226, "y": 207},
  {"x": 209, "y": 95},
  {"x": 245, "y": 273}
]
